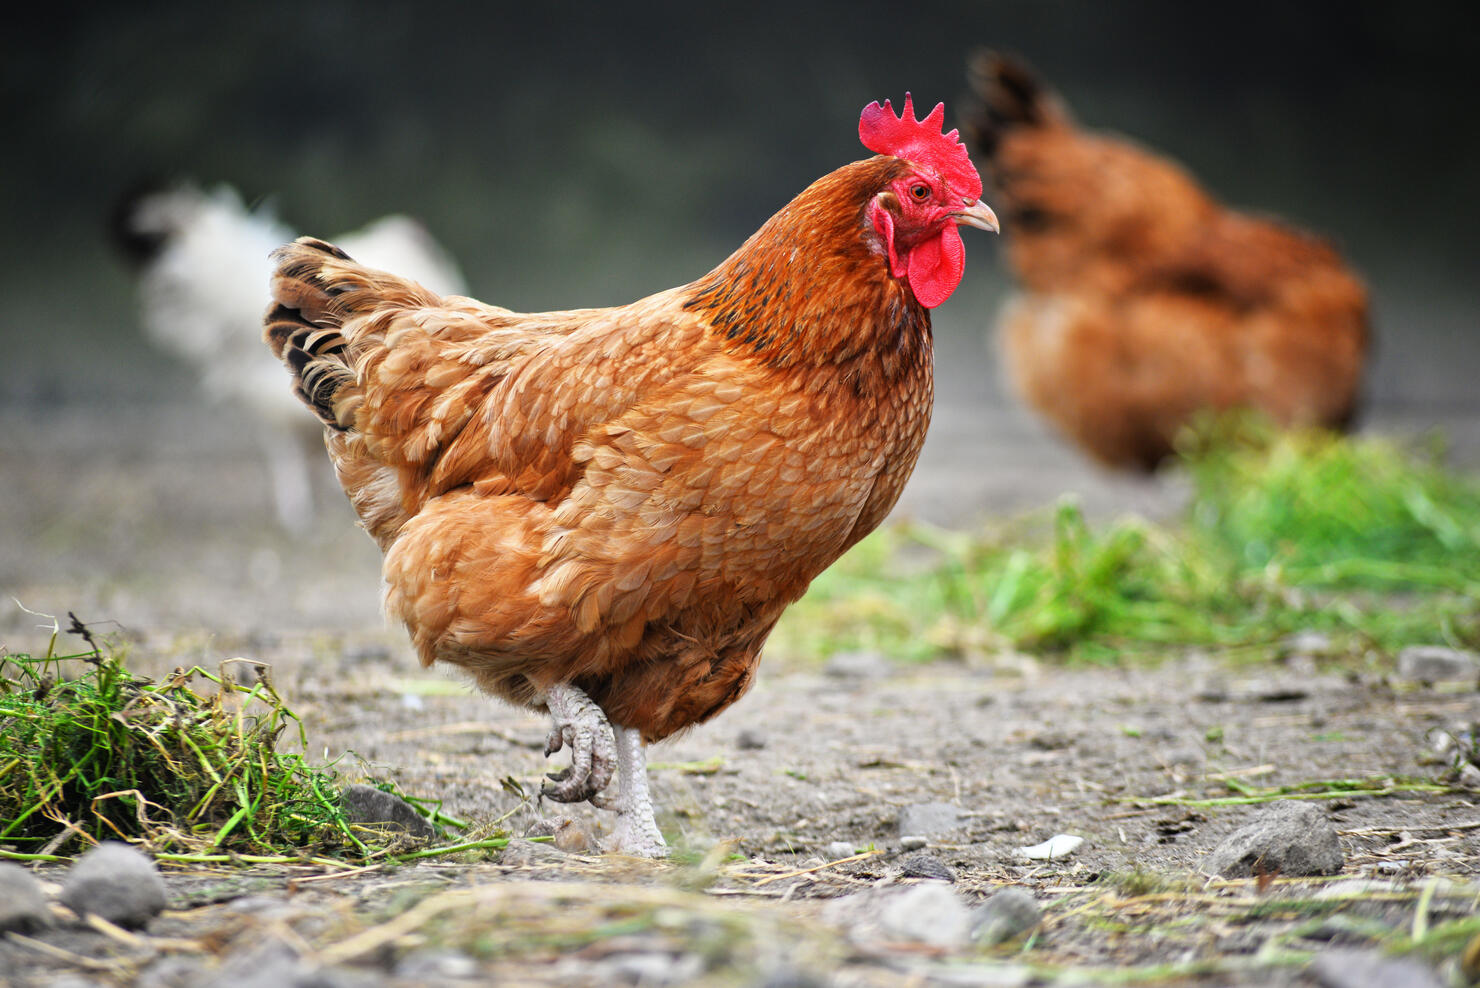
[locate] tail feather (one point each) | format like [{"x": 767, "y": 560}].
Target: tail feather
[
  {"x": 380, "y": 360},
  {"x": 1006, "y": 94},
  {"x": 317, "y": 289}
]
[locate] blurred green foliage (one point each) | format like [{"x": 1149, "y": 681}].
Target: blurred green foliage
[{"x": 1365, "y": 541}]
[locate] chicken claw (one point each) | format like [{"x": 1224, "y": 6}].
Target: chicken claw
[
  {"x": 596, "y": 752},
  {"x": 581, "y": 726}
]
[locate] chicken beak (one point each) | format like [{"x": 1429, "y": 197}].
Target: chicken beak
[{"x": 979, "y": 215}]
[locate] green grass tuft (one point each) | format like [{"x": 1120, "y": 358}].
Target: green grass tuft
[
  {"x": 1371, "y": 544},
  {"x": 87, "y": 748}
]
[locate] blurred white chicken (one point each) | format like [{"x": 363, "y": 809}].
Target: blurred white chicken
[{"x": 203, "y": 264}]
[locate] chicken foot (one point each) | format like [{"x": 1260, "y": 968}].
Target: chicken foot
[
  {"x": 637, "y": 830},
  {"x": 580, "y": 725},
  {"x": 596, "y": 751}
]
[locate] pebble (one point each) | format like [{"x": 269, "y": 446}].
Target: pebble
[
  {"x": 930, "y": 913},
  {"x": 573, "y": 839},
  {"x": 649, "y": 968},
  {"x": 928, "y": 819},
  {"x": 1052, "y": 740},
  {"x": 435, "y": 964},
  {"x": 913, "y": 842},
  {"x": 1370, "y": 969},
  {"x": 921, "y": 865},
  {"x": 117, "y": 882},
  {"x": 1288, "y": 837},
  {"x": 749, "y": 739},
  {"x": 22, "y": 901},
  {"x": 983, "y": 976},
  {"x": 271, "y": 964},
  {"x": 1006, "y": 915},
  {"x": 839, "y": 849},
  {"x": 375, "y": 807},
  {"x": 1437, "y": 664},
  {"x": 1056, "y": 847},
  {"x": 791, "y": 977},
  {"x": 528, "y": 854},
  {"x": 173, "y": 971}
]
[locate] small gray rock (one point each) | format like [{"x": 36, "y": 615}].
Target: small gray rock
[
  {"x": 921, "y": 865},
  {"x": 649, "y": 968},
  {"x": 1052, "y": 740},
  {"x": 1370, "y": 969},
  {"x": 374, "y": 807},
  {"x": 438, "y": 963},
  {"x": 913, "y": 842},
  {"x": 839, "y": 849},
  {"x": 117, "y": 882},
  {"x": 930, "y": 913},
  {"x": 1007, "y": 914},
  {"x": 529, "y": 854},
  {"x": 988, "y": 975},
  {"x": 1437, "y": 664},
  {"x": 173, "y": 971},
  {"x": 927, "y": 913},
  {"x": 749, "y": 739},
  {"x": 1288, "y": 837},
  {"x": 791, "y": 977},
  {"x": 928, "y": 819},
  {"x": 273, "y": 964},
  {"x": 22, "y": 900}
]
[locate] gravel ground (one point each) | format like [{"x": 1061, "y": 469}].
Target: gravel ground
[{"x": 809, "y": 769}]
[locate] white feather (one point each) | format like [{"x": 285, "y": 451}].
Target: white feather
[{"x": 203, "y": 296}]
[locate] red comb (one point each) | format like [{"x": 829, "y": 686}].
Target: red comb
[{"x": 920, "y": 140}]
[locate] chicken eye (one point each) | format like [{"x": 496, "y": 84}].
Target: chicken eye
[{"x": 920, "y": 191}]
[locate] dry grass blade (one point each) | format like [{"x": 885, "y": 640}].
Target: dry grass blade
[{"x": 797, "y": 873}]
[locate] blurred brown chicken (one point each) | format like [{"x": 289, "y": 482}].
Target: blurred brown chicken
[
  {"x": 603, "y": 512},
  {"x": 1144, "y": 302}
]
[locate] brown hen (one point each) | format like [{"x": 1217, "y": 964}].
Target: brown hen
[
  {"x": 1142, "y": 301},
  {"x": 603, "y": 512}
]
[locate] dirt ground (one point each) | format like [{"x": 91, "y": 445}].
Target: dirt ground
[
  {"x": 154, "y": 526},
  {"x": 809, "y": 758}
]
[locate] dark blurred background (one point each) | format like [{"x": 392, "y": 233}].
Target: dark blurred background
[{"x": 573, "y": 155}]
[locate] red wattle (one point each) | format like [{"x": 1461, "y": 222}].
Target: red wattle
[{"x": 935, "y": 266}]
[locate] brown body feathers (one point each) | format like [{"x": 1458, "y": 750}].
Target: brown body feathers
[
  {"x": 1143, "y": 302},
  {"x": 622, "y": 499}
]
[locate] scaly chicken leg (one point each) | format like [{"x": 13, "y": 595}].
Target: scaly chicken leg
[
  {"x": 582, "y": 726},
  {"x": 636, "y": 831}
]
